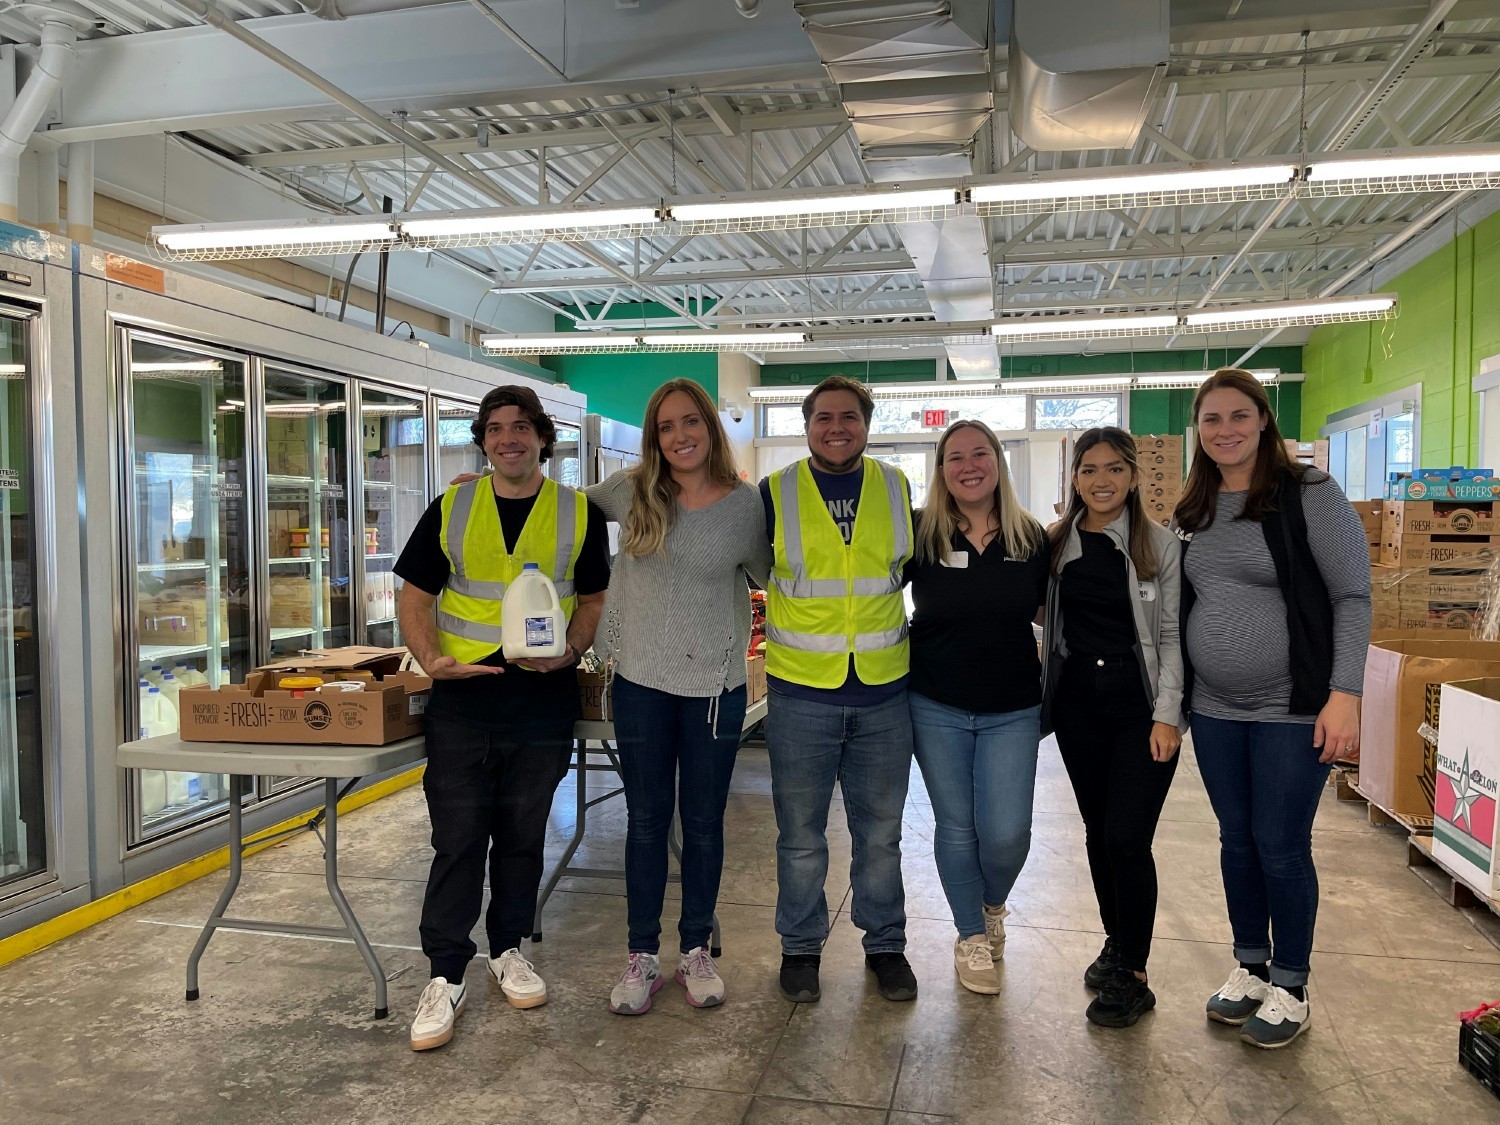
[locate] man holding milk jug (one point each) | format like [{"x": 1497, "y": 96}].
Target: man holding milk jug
[{"x": 504, "y": 694}]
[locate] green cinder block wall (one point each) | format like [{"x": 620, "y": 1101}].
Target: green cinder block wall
[{"x": 1449, "y": 320}]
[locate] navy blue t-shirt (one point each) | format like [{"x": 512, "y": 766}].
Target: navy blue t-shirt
[{"x": 840, "y": 491}]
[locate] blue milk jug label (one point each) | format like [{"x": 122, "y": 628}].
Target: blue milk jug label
[
  {"x": 195, "y": 787},
  {"x": 539, "y": 632}
]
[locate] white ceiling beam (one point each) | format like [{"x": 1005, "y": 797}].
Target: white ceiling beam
[
  {"x": 724, "y": 115},
  {"x": 433, "y": 57},
  {"x": 1319, "y": 74},
  {"x": 1292, "y": 17}
]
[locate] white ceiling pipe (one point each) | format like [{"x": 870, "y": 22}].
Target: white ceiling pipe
[
  {"x": 59, "y": 34},
  {"x": 81, "y": 192}
]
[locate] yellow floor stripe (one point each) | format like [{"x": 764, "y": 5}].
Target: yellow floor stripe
[{"x": 81, "y": 918}]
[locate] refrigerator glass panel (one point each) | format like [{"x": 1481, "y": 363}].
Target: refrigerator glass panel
[
  {"x": 566, "y": 465},
  {"x": 307, "y": 529},
  {"x": 395, "y": 484},
  {"x": 23, "y": 785},
  {"x": 188, "y": 494},
  {"x": 457, "y": 452}
]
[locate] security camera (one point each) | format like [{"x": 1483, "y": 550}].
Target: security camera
[{"x": 735, "y": 411}]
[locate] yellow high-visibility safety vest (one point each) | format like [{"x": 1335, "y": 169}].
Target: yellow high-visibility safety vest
[
  {"x": 828, "y": 600},
  {"x": 468, "y": 610}
]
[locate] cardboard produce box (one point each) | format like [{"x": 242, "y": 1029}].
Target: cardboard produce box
[
  {"x": 390, "y": 706},
  {"x": 1467, "y": 778},
  {"x": 1428, "y": 517},
  {"x": 1403, "y": 678},
  {"x": 1412, "y": 551},
  {"x": 755, "y": 679},
  {"x": 593, "y": 695}
]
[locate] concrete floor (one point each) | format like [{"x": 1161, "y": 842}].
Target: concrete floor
[{"x": 96, "y": 1028}]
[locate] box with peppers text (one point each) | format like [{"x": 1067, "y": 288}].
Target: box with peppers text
[{"x": 387, "y": 706}]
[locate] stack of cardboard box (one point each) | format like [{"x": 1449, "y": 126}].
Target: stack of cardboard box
[
  {"x": 287, "y": 445},
  {"x": 1434, "y": 560},
  {"x": 1160, "y": 459},
  {"x": 1372, "y": 515},
  {"x": 1314, "y": 453},
  {"x": 178, "y": 616}
]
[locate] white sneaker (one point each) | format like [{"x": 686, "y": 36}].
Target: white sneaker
[
  {"x": 1239, "y": 998},
  {"x": 632, "y": 996},
  {"x": 440, "y": 1005},
  {"x": 516, "y": 978},
  {"x": 994, "y": 928},
  {"x": 975, "y": 964},
  {"x": 696, "y": 973},
  {"x": 1280, "y": 1020}
]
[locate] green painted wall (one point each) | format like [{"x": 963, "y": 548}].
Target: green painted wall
[
  {"x": 1449, "y": 319},
  {"x": 1171, "y": 412},
  {"x": 618, "y": 386}
]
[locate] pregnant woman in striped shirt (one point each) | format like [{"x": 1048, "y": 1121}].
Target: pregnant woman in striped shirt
[{"x": 1276, "y": 612}]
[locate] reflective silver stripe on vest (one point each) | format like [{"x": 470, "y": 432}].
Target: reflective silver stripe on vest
[
  {"x": 458, "y": 521},
  {"x": 567, "y": 530},
  {"x": 899, "y": 510},
  {"x": 472, "y": 588},
  {"x": 835, "y": 588},
  {"x": 791, "y": 530},
  {"x": 821, "y": 642},
  {"x": 468, "y": 630}
]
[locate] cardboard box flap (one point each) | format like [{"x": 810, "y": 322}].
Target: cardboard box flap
[
  {"x": 344, "y": 659},
  {"x": 1442, "y": 648}
]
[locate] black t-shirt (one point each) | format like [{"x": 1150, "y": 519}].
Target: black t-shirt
[
  {"x": 518, "y": 701},
  {"x": 972, "y": 645},
  {"x": 1098, "y": 613}
]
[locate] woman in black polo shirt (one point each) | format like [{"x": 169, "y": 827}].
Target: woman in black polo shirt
[{"x": 978, "y": 579}]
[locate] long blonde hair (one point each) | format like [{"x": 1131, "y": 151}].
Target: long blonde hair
[
  {"x": 1019, "y": 530},
  {"x": 653, "y": 500}
]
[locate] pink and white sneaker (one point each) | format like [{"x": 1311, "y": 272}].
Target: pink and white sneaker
[{"x": 696, "y": 973}]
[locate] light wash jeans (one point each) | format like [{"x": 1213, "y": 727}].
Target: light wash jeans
[
  {"x": 980, "y": 771},
  {"x": 868, "y": 751}
]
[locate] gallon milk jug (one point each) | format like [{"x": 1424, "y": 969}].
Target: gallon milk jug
[
  {"x": 189, "y": 676},
  {"x": 170, "y": 685},
  {"x": 153, "y": 792},
  {"x": 532, "y": 623},
  {"x": 157, "y": 715}
]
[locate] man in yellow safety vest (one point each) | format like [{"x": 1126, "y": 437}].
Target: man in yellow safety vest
[
  {"x": 836, "y": 667},
  {"x": 499, "y": 734}
]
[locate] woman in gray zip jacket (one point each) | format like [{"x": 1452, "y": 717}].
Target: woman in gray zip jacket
[{"x": 1112, "y": 679}]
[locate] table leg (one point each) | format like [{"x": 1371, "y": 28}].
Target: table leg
[
  {"x": 335, "y": 892},
  {"x": 236, "y": 866},
  {"x": 580, "y": 749}
]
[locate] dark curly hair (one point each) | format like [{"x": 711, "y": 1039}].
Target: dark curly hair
[{"x": 525, "y": 400}]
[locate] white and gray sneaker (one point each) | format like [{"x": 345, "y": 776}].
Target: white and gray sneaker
[
  {"x": 517, "y": 979},
  {"x": 696, "y": 973},
  {"x": 1280, "y": 1020},
  {"x": 632, "y": 996},
  {"x": 440, "y": 1005},
  {"x": 1239, "y": 998}
]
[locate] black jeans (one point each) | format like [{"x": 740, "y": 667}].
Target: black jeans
[
  {"x": 1104, "y": 733},
  {"x": 669, "y": 754},
  {"x": 488, "y": 796}
]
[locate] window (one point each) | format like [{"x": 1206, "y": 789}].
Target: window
[
  {"x": 904, "y": 415},
  {"x": 784, "y": 419},
  {"x": 1076, "y": 412}
]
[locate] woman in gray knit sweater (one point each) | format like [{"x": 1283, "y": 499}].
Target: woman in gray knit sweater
[
  {"x": 1276, "y": 616},
  {"x": 677, "y": 626}
]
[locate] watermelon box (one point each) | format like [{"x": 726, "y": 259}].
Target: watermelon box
[{"x": 1467, "y": 783}]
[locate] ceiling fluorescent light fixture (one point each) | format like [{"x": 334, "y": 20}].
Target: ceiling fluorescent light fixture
[
  {"x": 1395, "y": 172},
  {"x": 455, "y": 229},
  {"x": 1191, "y": 379},
  {"x": 1333, "y": 310},
  {"x": 224, "y": 241},
  {"x": 1094, "y": 189},
  {"x": 791, "y": 212},
  {"x": 1083, "y": 327},
  {"x": 556, "y": 342},
  {"x": 722, "y": 341}
]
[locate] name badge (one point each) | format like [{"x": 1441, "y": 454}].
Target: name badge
[
  {"x": 1148, "y": 591},
  {"x": 959, "y": 559}
]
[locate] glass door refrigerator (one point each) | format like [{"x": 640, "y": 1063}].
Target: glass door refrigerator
[
  {"x": 24, "y": 782},
  {"x": 188, "y": 613},
  {"x": 454, "y": 450},
  {"x": 393, "y": 466}
]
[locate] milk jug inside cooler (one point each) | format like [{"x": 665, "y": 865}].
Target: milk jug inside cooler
[{"x": 532, "y": 623}]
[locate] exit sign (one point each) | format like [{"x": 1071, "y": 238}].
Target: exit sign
[{"x": 934, "y": 418}]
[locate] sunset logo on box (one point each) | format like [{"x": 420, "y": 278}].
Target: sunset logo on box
[{"x": 1465, "y": 801}]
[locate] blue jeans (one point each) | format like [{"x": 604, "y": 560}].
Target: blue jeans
[
  {"x": 868, "y": 751},
  {"x": 1264, "y": 781},
  {"x": 669, "y": 755},
  {"x": 980, "y": 772}
]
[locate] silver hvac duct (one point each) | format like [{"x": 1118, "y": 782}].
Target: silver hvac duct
[
  {"x": 916, "y": 81},
  {"x": 61, "y": 25},
  {"x": 1082, "y": 76}
]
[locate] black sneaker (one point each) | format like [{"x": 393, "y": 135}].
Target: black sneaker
[
  {"x": 893, "y": 975},
  {"x": 1123, "y": 1000},
  {"x": 1098, "y": 974},
  {"x": 799, "y": 977}
]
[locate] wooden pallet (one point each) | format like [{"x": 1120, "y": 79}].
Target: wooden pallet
[
  {"x": 1346, "y": 788},
  {"x": 1450, "y": 886}
]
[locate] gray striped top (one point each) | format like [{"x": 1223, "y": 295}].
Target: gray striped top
[
  {"x": 679, "y": 621},
  {"x": 1236, "y": 634}
]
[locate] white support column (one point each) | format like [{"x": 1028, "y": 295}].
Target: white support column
[
  {"x": 48, "y": 185},
  {"x": 81, "y": 192}
]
